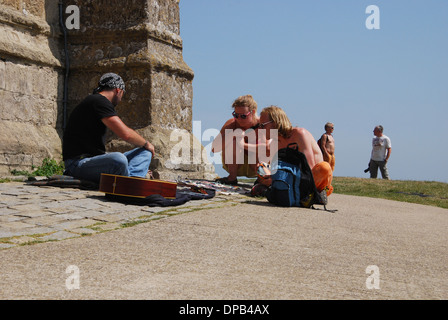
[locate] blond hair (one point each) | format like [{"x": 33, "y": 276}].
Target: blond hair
[
  {"x": 280, "y": 119},
  {"x": 245, "y": 101}
]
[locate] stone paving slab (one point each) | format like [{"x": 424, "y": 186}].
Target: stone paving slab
[{"x": 32, "y": 214}]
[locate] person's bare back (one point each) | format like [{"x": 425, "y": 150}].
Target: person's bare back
[{"x": 306, "y": 142}]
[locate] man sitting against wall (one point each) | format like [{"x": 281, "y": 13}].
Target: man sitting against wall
[{"x": 84, "y": 151}]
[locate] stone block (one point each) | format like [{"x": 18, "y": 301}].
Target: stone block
[{"x": 23, "y": 145}]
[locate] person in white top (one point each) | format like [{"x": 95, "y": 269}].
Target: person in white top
[{"x": 381, "y": 150}]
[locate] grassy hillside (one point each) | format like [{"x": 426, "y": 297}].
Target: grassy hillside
[{"x": 421, "y": 192}]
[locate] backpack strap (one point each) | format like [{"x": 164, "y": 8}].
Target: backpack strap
[
  {"x": 294, "y": 145},
  {"x": 325, "y": 209}
]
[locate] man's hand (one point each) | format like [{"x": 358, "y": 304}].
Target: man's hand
[{"x": 148, "y": 146}]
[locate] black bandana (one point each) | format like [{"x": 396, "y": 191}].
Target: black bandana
[{"x": 109, "y": 81}]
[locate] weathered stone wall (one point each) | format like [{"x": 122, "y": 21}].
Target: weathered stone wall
[
  {"x": 138, "y": 39},
  {"x": 29, "y": 84}
]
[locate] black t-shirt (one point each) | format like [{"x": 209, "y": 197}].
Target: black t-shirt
[{"x": 85, "y": 132}]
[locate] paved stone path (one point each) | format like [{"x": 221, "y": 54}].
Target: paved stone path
[{"x": 30, "y": 214}]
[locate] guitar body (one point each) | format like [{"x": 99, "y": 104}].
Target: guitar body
[{"x": 136, "y": 187}]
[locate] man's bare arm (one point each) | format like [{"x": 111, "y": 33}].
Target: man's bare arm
[{"x": 117, "y": 126}]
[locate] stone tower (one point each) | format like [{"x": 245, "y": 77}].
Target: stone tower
[{"x": 137, "y": 39}]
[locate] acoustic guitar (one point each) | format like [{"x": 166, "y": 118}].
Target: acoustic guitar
[{"x": 136, "y": 187}]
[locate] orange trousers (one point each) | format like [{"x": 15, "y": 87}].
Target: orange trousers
[
  {"x": 331, "y": 161},
  {"x": 323, "y": 176}
]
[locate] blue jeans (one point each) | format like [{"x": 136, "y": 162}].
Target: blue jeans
[{"x": 134, "y": 163}]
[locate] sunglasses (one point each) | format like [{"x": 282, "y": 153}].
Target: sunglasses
[
  {"x": 242, "y": 115},
  {"x": 264, "y": 123}
]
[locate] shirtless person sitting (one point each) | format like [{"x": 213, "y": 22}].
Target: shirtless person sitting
[
  {"x": 272, "y": 118},
  {"x": 236, "y": 161},
  {"x": 327, "y": 145}
]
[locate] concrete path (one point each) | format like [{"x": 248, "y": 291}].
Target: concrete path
[{"x": 226, "y": 248}]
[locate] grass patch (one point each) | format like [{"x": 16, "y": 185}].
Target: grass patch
[
  {"x": 133, "y": 223},
  {"x": 48, "y": 168},
  {"x": 421, "y": 192}
]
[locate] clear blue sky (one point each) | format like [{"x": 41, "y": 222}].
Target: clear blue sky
[{"x": 319, "y": 62}]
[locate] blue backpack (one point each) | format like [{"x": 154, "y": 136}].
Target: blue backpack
[{"x": 293, "y": 183}]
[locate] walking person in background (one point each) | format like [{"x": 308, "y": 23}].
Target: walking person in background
[
  {"x": 327, "y": 145},
  {"x": 381, "y": 150}
]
